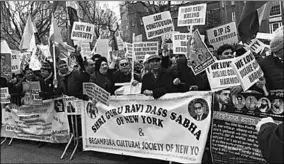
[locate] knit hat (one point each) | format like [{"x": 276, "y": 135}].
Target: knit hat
[
  {"x": 45, "y": 65},
  {"x": 276, "y": 43}
]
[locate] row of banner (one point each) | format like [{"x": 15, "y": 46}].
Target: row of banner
[{"x": 172, "y": 128}]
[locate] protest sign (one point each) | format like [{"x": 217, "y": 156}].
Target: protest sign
[
  {"x": 221, "y": 75},
  {"x": 247, "y": 69},
  {"x": 255, "y": 45},
  {"x": 15, "y": 62},
  {"x": 36, "y": 59},
  {"x": 180, "y": 42},
  {"x": 31, "y": 90},
  {"x": 43, "y": 123},
  {"x": 73, "y": 105},
  {"x": 143, "y": 48},
  {"x": 102, "y": 47},
  {"x": 225, "y": 34},
  {"x": 158, "y": 24},
  {"x": 233, "y": 137},
  {"x": 198, "y": 55},
  {"x": 83, "y": 31},
  {"x": 5, "y": 95},
  {"x": 45, "y": 50},
  {"x": 192, "y": 15},
  {"x": 129, "y": 50},
  {"x": 96, "y": 93},
  {"x": 25, "y": 59},
  {"x": 6, "y": 69},
  {"x": 148, "y": 126}
]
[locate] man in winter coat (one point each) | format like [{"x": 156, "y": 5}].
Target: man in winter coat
[{"x": 157, "y": 82}]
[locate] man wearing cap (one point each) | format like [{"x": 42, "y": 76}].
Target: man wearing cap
[
  {"x": 273, "y": 65},
  {"x": 46, "y": 80},
  {"x": 157, "y": 82}
]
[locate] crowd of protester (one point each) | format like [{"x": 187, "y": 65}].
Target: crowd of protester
[{"x": 159, "y": 74}]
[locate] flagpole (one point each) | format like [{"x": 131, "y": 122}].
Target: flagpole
[{"x": 54, "y": 66}]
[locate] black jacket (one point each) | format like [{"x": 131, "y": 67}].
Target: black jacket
[
  {"x": 270, "y": 141},
  {"x": 160, "y": 86}
]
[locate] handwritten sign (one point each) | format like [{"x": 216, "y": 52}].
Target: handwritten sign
[
  {"x": 247, "y": 69},
  {"x": 223, "y": 34},
  {"x": 198, "y": 55},
  {"x": 143, "y": 48},
  {"x": 180, "y": 42},
  {"x": 157, "y": 25},
  {"x": 96, "y": 93},
  {"x": 255, "y": 45},
  {"x": 192, "y": 15},
  {"x": 5, "y": 95},
  {"x": 221, "y": 75},
  {"x": 15, "y": 62},
  {"x": 83, "y": 31}
]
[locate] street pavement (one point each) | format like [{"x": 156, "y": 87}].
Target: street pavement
[{"x": 23, "y": 151}]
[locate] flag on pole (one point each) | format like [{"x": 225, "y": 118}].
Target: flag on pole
[
  {"x": 253, "y": 14},
  {"x": 73, "y": 17},
  {"x": 28, "y": 41}
]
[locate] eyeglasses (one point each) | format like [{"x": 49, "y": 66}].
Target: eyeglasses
[
  {"x": 228, "y": 53},
  {"x": 197, "y": 107},
  {"x": 154, "y": 60},
  {"x": 124, "y": 64}
]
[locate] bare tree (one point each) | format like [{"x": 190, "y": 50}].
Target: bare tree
[{"x": 14, "y": 15}]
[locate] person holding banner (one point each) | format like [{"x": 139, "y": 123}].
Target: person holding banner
[
  {"x": 270, "y": 140},
  {"x": 157, "y": 82},
  {"x": 273, "y": 65}
]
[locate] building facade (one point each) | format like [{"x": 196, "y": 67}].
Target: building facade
[{"x": 276, "y": 15}]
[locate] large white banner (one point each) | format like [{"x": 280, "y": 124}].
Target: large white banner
[
  {"x": 166, "y": 129},
  {"x": 157, "y": 25},
  {"x": 180, "y": 42},
  {"x": 47, "y": 122},
  {"x": 192, "y": 15},
  {"x": 225, "y": 34}
]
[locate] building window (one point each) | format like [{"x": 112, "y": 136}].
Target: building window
[
  {"x": 141, "y": 21},
  {"x": 274, "y": 26},
  {"x": 275, "y": 9},
  {"x": 233, "y": 16},
  {"x": 232, "y": 3},
  {"x": 223, "y": 3}
]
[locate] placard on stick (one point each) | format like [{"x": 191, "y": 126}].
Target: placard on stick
[
  {"x": 180, "y": 42},
  {"x": 96, "y": 93},
  {"x": 83, "y": 31},
  {"x": 157, "y": 25},
  {"x": 247, "y": 69},
  {"x": 192, "y": 15}
]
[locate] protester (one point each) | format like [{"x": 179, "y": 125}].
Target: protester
[
  {"x": 103, "y": 76},
  {"x": 90, "y": 67},
  {"x": 123, "y": 74},
  {"x": 211, "y": 49},
  {"x": 226, "y": 51},
  {"x": 185, "y": 80},
  {"x": 270, "y": 140},
  {"x": 70, "y": 82},
  {"x": 157, "y": 82},
  {"x": 46, "y": 81},
  {"x": 273, "y": 66}
]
